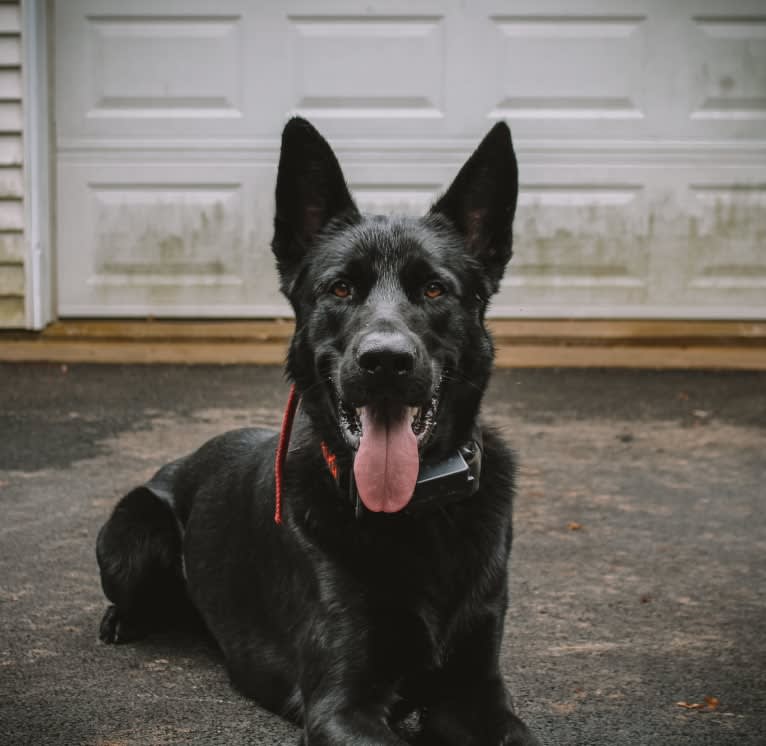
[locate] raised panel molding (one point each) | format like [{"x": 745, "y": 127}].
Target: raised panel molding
[
  {"x": 727, "y": 237},
  {"x": 576, "y": 236},
  {"x": 578, "y": 195},
  {"x": 147, "y": 66},
  {"x": 733, "y": 80},
  {"x": 399, "y": 70},
  {"x": 567, "y": 27},
  {"x": 593, "y": 81},
  {"x": 572, "y": 107},
  {"x": 166, "y": 234}
]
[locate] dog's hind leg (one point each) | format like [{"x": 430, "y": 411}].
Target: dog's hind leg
[{"x": 139, "y": 554}]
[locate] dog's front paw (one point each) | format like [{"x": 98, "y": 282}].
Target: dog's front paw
[
  {"x": 474, "y": 726},
  {"x": 116, "y": 627},
  {"x": 510, "y": 731},
  {"x": 514, "y": 733}
]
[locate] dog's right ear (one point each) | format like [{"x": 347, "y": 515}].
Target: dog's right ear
[{"x": 311, "y": 192}]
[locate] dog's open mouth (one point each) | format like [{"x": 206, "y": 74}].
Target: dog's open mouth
[{"x": 387, "y": 438}]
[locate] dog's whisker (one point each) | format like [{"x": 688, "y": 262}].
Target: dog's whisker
[{"x": 453, "y": 376}]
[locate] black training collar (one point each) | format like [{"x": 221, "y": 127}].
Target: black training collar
[{"x": 449, "y": 480}]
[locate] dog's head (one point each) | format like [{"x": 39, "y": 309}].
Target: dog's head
[{"x": 390, "y": 353}]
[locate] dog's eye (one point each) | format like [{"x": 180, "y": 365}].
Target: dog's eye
[
  {"x": 434, "y": 290},
  {"x": 341, "y": 289}
]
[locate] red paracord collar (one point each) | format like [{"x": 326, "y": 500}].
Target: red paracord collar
[
  {"x": 284, "y": 440},
  {"x": 291, "y": 408}
]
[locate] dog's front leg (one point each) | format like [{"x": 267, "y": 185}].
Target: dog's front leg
[
  {"x": 474, "y": 707},
  {"x": 346, "y": 696}
]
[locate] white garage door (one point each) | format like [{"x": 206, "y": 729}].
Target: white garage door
[{"x": 640, "y": 127}]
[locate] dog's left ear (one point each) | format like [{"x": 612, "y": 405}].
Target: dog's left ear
[
  {"x": 310, "y": 193},
  {"x": 481, "y": 202}
]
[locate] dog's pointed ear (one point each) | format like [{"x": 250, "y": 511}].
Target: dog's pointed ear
[
  {"x": 311, "y": 191},
  {"x": 481, "y": 202}
]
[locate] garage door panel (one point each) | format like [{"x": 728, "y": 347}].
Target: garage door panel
[
  {"x": 397, "y": 71},
  {"x": 730, "y": 73},
  {"x": 165, "y": 66},
  {"x": 152, "y": 69},
  {"x": 167, "y": 233},
  {"x": 560, "y": 72},
  {"x": 578, "y": 243},
  {"x": 163, "y": 239},
  {"x": 728, "y": 222}
]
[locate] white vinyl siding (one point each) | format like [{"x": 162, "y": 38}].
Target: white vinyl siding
[{"x": 12, "y": 246}]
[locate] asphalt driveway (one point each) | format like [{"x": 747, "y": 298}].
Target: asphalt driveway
[{"x": 638, "y": 572}]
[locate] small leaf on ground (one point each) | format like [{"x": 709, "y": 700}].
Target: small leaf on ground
[
  {"x": 709, "y": 705},
  {"x": 712, "y": 703}
]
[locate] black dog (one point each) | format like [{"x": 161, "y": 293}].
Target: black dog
[{"x": 371, "y": 610}]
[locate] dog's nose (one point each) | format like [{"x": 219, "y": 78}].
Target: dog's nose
[{"x": 386, "y": 354}]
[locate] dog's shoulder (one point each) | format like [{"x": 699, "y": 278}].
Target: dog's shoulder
[{"x": 244, "y": 455}]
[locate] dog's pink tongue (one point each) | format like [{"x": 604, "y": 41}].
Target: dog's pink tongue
[{"x": 386, "y": 464}]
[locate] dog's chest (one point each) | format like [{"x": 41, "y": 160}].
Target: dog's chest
[{"x": 418, "y": 602}]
